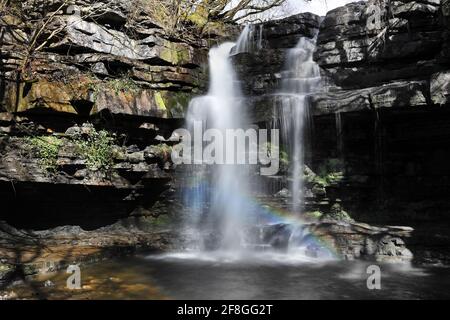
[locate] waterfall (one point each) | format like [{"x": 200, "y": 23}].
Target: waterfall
[
  {"x": 301, "y": 78},
  {"x": 223, "y": 217},
  {"x": 250, "y": 40},
  {"x": 339, "y": 137},
  {"x": 221, "y": 187}
]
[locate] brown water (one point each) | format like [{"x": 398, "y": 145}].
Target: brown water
[{"x": 269, "y": 277}]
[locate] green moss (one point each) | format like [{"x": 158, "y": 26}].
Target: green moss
[
  {"x": 198, "y": 18},
  {"x": 313, "y": 215},
  {"x": 175, "y": 102},
  {"x": 46, "y": 149},
  {"x": 160, "y": 101}
]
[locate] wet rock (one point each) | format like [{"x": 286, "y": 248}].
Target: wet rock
[
  {"x": 316, "y": 251},
  {"x": 135, "y": 157},
  {"x": 277, "y": 235},
  {"x": 361, "y": 241},
  {"x": 284, "y": 193},
  {"x": 260, "y": 69}
]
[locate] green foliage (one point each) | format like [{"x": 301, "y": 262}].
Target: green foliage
[
  {"x": 162, "y": 151},
  {"x": 330, "y": 172},
  {"x": 97, "y": 149},
  {"x": 46, "y": 149}
]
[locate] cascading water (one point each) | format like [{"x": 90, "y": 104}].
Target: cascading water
[
  {"x": 300, "y": 79},
  {"x": 226, "y": 187},
  {"x": 250, "y": 40},
  {"x": 223, "y": 216}
]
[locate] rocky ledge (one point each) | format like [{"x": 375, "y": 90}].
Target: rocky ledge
[
  {"x": 104, "y": 79},
  {"x": 331, "y": 239},
  {"x": 400, "y": 62},
  {"x": 26, "y": 253}
]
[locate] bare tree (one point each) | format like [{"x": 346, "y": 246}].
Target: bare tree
[
  {"x": 42, "y": 28},
  {"x": 235, "y": 11},
  {"x": 177, "y": 15}
]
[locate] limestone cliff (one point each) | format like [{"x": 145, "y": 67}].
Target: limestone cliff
[{"x": 72, "y": 72}]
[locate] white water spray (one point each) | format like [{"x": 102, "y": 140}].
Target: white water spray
[
  {"x": 250, "y": 40},
  {"x": 227, "y": 185},
  {"x": 300, "y": 79},
  {"x": 225, "y": 220}
]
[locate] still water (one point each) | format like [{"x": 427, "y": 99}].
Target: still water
[{"x": 267, "y": 276}]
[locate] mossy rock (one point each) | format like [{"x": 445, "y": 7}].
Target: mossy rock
[
  {"x": 46, "y": 150},
  {"x": 45, "y": 94},
  {"x": 330, "y": 172},
  {"x": 175, "y": 103},
  {"x": 176, "y": 53},
  {"x": 316, "y": 215},
  {"x": 5, "y": 269}
]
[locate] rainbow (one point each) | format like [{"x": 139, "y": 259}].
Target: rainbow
[{"x": 267, "y": 213}]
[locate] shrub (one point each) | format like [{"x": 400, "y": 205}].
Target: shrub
[
  {"x": 96, "y": 148},
  {"x": 46, "y": 149}
]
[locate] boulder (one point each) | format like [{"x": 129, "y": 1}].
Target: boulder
[{"x": 440, "y": 87}]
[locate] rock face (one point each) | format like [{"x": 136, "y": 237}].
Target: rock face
[
  {"x": 387, "y": 86},
  {"x": 361, "y": 241},
  {"x": 118, "y": 85},
  {"x": 259, "y": 67},
  {"x": 376, "y": 46},
  {"x": 356, "y": 52},
  {"x": 26, "y": 252},
  {"x": 381, "y": 115},
  {"x": 380, "y": 125},
  {"x": 88, "y": 66},
  {"x": 98, "y": 66}
]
